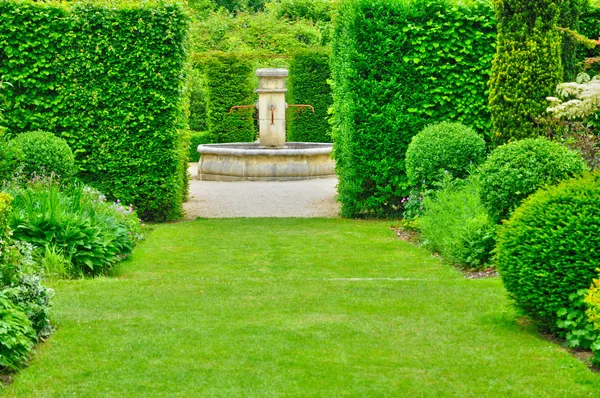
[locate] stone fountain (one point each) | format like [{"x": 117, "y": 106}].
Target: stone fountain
[{"x": 271, "y": 158}]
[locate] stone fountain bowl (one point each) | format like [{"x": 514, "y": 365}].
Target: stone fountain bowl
[{"x": 251, "y": 161}]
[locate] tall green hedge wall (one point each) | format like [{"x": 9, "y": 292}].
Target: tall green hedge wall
[
  {"x": 396, "y": 68},
  {"x": 109, "y": 81},
  {"x": 230, "y": 81},
  {"x": 308, "y": 83}
]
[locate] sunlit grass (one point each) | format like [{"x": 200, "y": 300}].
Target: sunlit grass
[{"x": 292, "y": 307}]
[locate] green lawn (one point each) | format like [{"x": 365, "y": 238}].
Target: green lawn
[{"x": 292, "y": 307}]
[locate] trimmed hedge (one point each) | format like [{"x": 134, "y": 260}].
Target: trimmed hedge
[
  {"x": 107, "y": 79},
  {"x": 443, "y": 148},
  {"x": 527, "y": 67},
  {"x": 548, "y": 249},
  {"x": 41, "y": 152},
  {"x": 396, "y": 68},
  {"x": 514, "y": 171},
  {"x": 198, "y": 138},
  {"x": 229, "y": 82},
  {"x": 308, "y": 84}
]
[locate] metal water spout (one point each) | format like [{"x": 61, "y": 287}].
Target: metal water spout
[{"x": 271, "y": 107}]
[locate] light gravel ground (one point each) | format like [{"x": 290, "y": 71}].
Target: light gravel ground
[{"x": 216, "y": 199}]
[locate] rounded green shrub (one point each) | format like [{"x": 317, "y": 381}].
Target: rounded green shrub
[
  {"x": 451, "y": 147},
  {"x": 514, "y": 171},
  {"x": 42, "y": 153},
  {"x": 16, "y": 335},
  {"x": 548, "y": 249}
]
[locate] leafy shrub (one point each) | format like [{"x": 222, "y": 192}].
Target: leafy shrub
[
  {"x": 255, "y": 34},
  {"x": 92, "y": 233},
  {"x": 592, "y": 301},
  {"x": 514, "y": 171},
  {"x": 115, "y": 95},
  {"x": 457, "y": 225},
  {"x": 35, "y": 300},
  {"x": 314, "y": 10},
  {"x": 16, "y": 335},
  {"x": 547, "y": 250},
  {"x": 228, "y": 78},
  {"x": 444, "y": 147},
  {"x": 308, "y": 84},
  {"x": 397, "y": 67},
  {"x": 9, "y": 159},
  {"x": 578, "y": 136},
  {"x": 42, "y": 152},
  {"x": 527, "y": 66},
  {"x": 198, "y": 138},
  {"x": 574, "y": 325}
]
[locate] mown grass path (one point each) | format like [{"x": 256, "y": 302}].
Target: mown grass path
[{"x": 292, "y": 307}]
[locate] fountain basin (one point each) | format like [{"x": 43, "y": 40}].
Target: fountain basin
[{"x": 251, "y": 161}]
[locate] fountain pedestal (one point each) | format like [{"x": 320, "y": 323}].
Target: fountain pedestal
[
  {"x": 271, "y": 107},
  {"x": 271, "y": 159}
]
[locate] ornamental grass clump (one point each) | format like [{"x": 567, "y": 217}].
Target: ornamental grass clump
[
  {"x": 457, "y": 226},
  {"x": 443, "y": 148},
  {"x": 549, "y": 249},
  {"x": 514, "y": 171}
]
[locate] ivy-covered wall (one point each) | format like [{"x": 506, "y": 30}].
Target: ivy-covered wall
[
  {"x": 108, "y": 80},
  {"x": 308, "y": 83},
  {"x": 398, "y": 67}
]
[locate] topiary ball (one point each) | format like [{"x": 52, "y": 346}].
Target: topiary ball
[
  {"x": 451, "y": 147},
  {"x": 514, "y": 171},
  {"x": 42, "y": 153},
  {"x": 550, "y": 247}
]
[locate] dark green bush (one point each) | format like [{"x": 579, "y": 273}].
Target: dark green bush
[
  {"x": 589, "y": 26},
  {"x": 308, "y": 84},
  {"x": 443, "y": 148},
  {"x": 108, "y": 79},
  {"x": 570, "y": 14},
  {"x": 456, "y": 225},
  {"x": 527, "y": 66},
  {"x": 229, "y": 82},
  {"x": 16, "y": 336},
  {"x": 548, "y": 249},
  {"x": 514, "y": 171},
  {"x": 396, "y": 68},
  {"x": 198, "y": 138},
  {"x": 42, "y": 153}
]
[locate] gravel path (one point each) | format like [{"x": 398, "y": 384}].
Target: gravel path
[{"x": 215, "y": 199}]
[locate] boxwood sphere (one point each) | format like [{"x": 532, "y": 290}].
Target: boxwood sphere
[
  {"x": 514, "y": 171},
  {"x": 441, "y": 147},
  {"x": 550, "y": 247},
  {"x": 41, "y": 152}
]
